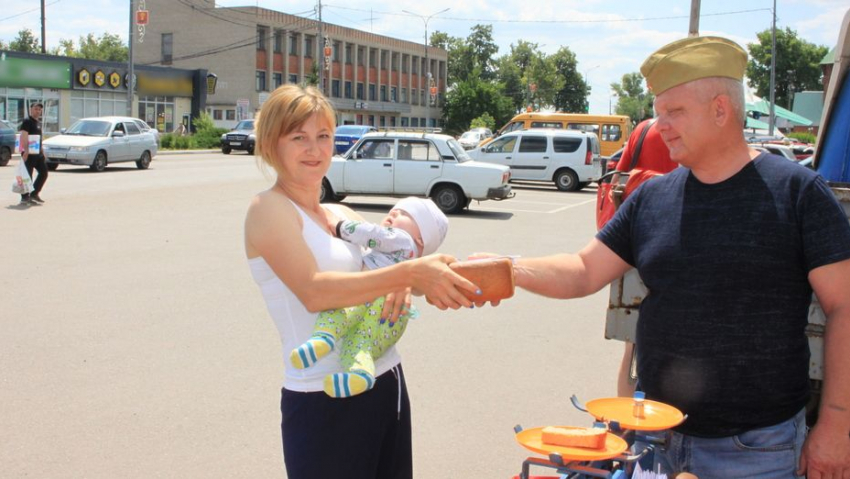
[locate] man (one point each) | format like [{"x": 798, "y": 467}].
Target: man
[
  {"x": 731, "y": 247},
  {"x": 31, "y": 126}
]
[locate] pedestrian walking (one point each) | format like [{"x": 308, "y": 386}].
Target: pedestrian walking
[{"x": 33, "y": 161}]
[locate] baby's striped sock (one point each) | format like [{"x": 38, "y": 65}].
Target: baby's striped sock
[
  {"x": 314, "y": 349},
  {"x": 343, "y": 385}
]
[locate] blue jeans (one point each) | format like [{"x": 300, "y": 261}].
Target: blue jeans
[{"x": 772, "y": 452}]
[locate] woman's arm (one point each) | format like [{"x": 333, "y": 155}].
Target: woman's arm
[{"x": 272, "y": 230}]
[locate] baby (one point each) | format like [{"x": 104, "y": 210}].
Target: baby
[{"x": 414, "y": 227}]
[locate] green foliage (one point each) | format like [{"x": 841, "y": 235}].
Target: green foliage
[
  {"x": 207, "y": 135},
  {"x": 797, "y": 65},
  {"x": 185, "y": 143},
  {"x": 803, "y": 136},
  {"x": 166, "y": 141},
  {"x": 204, "y": 122},
  {"x": 485, "y": 120},
  {"x": 312, "y": 79},
  {"x": 472, "y": 99},
  {"x": 25, "y": 42},
  {"x": 108, "y": 47},
  {"x": 633, "y": 100}
]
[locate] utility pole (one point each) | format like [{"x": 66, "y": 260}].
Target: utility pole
[
  {"x": 130, "y": 75},
  {"x": 427, "y": 63},
  {"x": 43, "y": 30},
  {"x": 320, "y": 48},
  {"x": 772, "y": 72},
  {"x": 693, "y": 29}
]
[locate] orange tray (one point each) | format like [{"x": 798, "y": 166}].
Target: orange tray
[
  {"x": 531, "y": 439},
  {"x": 657, "y": 415}
]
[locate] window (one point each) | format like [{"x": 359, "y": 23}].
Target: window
[
  {"x": 393, "y": 94},
  {"x": 393, "y": 61},
  {"x": 547, "y": 124},
  {"x": 417, "y": 150},
  {"x": 261, "y": 38},
  {"x": 383, "y": 94},
  {"x": 359, "y": 91},
  {"x": 132, "y": 129},
  {"x": 383, "y": 121},
  {"x": 372, "y": 94},
  {"x": 384, "y": 55},
  {"x": 404, "y": 60},
  {"x": 611, "y": 132},
  {"x": 372, "y": 61},
  {"x": 566, "y": 145},
  {"x": 517, "y": 125},
  {"x": 308, "y": 47},
  {"x": 392, "y": 121},
  {"x": 293, "y": 78},
  {"x": 216, "y": 114},
  {"x": 348, "y": 53},
  {"x": 415, "y": 65},
  {"x": 231, "y": 114},
  {"x": 167, "y": 48},
  {"x": 404, "y": 95},
  {"x": 336, "y": 51},
  {"x": 293, "y": 44},
  {"x": 376, "y": 149},
  {"x": 405, "y": 121},
  {"x": 335, "y": 88},
  {"x": 277, "y": 79},
  {"x": 501, "y": 145},
  {"x": 347, "y": 89},
  {"x": 278, "y": 41},
  {"x": 422, "y": 98},
  {"x": 261, "y": 80},
  {"x": 587, "y": 128},
  {"x": 414, "y": 122},
  {"x": 532, "y": 144},
  {"x": 371, "y": 120},
  {"x": 361, "y": 56}
]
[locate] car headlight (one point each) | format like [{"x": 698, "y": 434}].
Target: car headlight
[
  {"x": 82, "y": 149},
  {"x": 252, "y": 137},
  {"x": 223, "y": 136}
]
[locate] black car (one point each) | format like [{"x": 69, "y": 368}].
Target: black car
[
  {"x": 240, "y": 138},
  {"x": 7, "y": 142},
  {"x": 347, "y": 135}
]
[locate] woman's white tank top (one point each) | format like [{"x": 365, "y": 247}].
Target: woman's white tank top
[{"x": 294, "y": 323}]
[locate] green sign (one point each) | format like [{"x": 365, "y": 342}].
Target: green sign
[{"x": 25, "y": 72}]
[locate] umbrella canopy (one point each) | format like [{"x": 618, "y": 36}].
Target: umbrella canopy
[
  {"x": 763, "y": 106},
  {"x": 753, "y": 123}
]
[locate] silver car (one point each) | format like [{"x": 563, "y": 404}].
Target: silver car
[{"x": 97, "y": 142}]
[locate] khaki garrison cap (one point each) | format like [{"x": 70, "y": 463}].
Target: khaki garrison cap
[{"x": 693, "y": 58}]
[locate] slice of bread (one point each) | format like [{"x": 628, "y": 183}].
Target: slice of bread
[
  {"x": 495, "y": 277},
  {"x": 588, "y": 437}
]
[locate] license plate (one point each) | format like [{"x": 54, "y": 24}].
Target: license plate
[
  {"x": 341, "y": 143},
  {"x": 235, "y": 143},
  {"x": 58, "y": 156}
]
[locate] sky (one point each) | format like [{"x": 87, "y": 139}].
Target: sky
[{"x": 609, "y": 38}]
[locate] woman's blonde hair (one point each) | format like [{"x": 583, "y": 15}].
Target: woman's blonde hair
[{"x": 287, "y": 108}]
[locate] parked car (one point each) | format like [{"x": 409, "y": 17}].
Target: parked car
[
  {"x": 471, "y": 139},
  {"x": 100, "y": 141},
  {"x": 7, "y": 142},
  {"x": 347, "y": 135},
  {"x": 415, "y": 164},
  {"x": 147, "y": 129},
  {"x": 570, "y": 158},
  {"x": 779, "y": 150},
  {"x": 241, "y": 137},
  {"x": 611, "y": 162}
]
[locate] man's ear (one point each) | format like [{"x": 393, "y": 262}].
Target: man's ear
[{"x": 722, "y": 109}]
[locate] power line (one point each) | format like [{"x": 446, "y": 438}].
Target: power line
[
  {"x": 610, "y": 20},
  {"x": 28, "y": 11}
]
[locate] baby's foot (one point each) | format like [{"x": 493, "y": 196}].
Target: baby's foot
[
  {"x": 314, "y": 349},
  {"x": 343, "y": 385}
]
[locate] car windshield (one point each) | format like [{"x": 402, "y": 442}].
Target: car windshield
[
  {"x": 458, "y": 150},
  {"x": 245, "y": 125},
  {"x": 350, "y": 130},
  {"x": 89, "y": 128},
  {"x": 470, "y": 135}
]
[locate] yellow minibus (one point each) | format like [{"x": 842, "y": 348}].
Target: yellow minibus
[{"x": 612, "y": 130}]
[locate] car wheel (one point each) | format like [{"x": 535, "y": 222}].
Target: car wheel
[
  {"x": 5, "y": 156},
  {"x": 145, "y": 161},
  {"x": 326, "y": 195},
  {"x": 99, "y": 163},
  {"x": 449, "y": 198},
  {"x": 52, "y": 166},
  {"x": 251, "y": 149},
  {"x": 566, "y": 180},
  {"x": 225, "y": 150}
]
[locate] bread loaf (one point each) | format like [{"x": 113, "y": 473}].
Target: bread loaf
[
  {"x": 588, "y": 437},
  {"x": 495, "y": 277}
]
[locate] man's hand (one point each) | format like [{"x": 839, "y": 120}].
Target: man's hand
[
  {"x": 479, "y": 304},
  {"x": 396, "y": 304},
  {"x": 442, "y": 286},
  {"x": 826, "y": 454}
]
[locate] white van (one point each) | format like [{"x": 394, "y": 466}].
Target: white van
[{"x": 569, "y": 158}]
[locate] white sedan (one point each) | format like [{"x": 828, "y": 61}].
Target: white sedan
[
  {"x": 97, "y": 142},
  {"x": 415, "y": 164}
]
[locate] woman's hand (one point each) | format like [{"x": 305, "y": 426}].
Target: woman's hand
[
  {"x": 479, "y": 304},
  {"x": 442, "y": 287},
  {"x": 396, "y": 304}
]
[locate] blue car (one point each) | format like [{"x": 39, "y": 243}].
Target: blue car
[
  {"x": 347, "y": 135},
  {"x": 7, "y": 142}
]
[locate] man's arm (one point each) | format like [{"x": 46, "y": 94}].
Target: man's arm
[
  {"x": 25, "y": 144},
  {"x": 570, "y": 275},
  {"x": 827, "y": 449}
]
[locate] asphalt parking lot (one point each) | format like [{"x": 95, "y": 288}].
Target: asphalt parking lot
[{"x": 135, "y": 344}]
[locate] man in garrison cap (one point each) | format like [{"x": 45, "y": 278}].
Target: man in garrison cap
[{"x": 731, "y": 246}]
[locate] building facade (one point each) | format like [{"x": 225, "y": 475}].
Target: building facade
[
  {"x": 74, "y": 88},
  {"x": 370, "y": 79}
]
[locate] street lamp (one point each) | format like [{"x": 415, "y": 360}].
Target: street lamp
[
  {"x": 611, "y": 97},
  {"x": 425, "y": 19}
]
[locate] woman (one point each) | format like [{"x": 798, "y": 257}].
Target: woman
[{"x": 302, "y": 269}]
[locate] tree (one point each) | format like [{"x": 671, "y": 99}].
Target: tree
[
  {"x": 482, "y": 49},
  {"x": 797, "y": 65},
  {"x": 108, "y": 47},
  {"x": 25, "y": 42},
  {"x": 572, "y": 97},
  {"x": 634, "y": 100},
  {"x": 485, "y": 120},
  {"x": 473, "y": 98}
]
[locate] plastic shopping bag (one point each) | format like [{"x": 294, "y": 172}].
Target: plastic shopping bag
[{"x": 22, "y": 184}]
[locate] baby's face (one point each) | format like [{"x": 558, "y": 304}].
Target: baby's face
[{"x": 403, "y": 221}]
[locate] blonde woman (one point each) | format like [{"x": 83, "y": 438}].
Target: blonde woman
[{"x": 302, "y": 269}]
